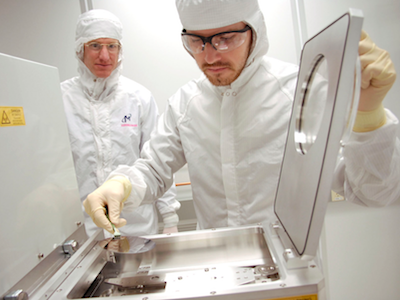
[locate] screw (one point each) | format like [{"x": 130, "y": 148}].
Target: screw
[{"x": 40, "y": 255}]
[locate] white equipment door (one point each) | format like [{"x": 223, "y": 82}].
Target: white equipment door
[{"x": 39, "y": 198}]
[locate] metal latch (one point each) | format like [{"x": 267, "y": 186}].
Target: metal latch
[{"x": 70, "y": 247}]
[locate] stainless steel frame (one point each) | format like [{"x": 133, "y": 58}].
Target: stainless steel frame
[{"x": 223, "y": 263}]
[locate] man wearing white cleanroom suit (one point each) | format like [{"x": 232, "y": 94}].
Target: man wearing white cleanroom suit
[
  {"x": 109, "y": 118},
  {"x": 230, "y": 128}
]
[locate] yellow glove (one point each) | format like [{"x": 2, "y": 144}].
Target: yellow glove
[
  {"x": 377, "y": 77},
  {"x": 111, "y": 195}
]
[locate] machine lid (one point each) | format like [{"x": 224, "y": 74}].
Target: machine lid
[
  {"x": 39, "y": 195},
  {"x": 321, "y": 112}
]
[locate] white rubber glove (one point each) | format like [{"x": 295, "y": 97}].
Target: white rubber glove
[
  {"x": 171, "y": 221},
  {"x": 377, "y": 77},
  {"x": 111, "y": 195}
]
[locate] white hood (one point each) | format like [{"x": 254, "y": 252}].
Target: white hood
[
  {"x": 209, "y": 14},
  {"x": 91, "y": 25}
]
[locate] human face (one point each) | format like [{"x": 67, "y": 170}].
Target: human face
[
  {"x": 222, "y": 68},
  {"x": 101, "y": 63}
]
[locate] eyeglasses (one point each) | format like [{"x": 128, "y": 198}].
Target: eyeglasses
[
  {"x": 222, "y": 42},
  {"x": 97, "y": 47}
]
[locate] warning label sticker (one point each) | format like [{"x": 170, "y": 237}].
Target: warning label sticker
[{"x": 11, "y": 116}]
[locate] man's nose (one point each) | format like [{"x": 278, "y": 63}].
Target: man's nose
[
  {"x": 104, "y": 54},
  {"x": 211, "y": 55}
]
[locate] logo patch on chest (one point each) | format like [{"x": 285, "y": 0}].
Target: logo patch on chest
[{"x": 127, "y": 121}]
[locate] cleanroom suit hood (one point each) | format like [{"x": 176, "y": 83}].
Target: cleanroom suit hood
[
  {"x": 109, "y": 121},
  {"x": 221, "y": 13},
  {"x": 92, "y": 25}
]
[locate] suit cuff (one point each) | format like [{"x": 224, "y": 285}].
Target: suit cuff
[{"x": 170, "y": 219}]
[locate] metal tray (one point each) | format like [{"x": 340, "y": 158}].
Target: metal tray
[{"x": 183, "y": 263}]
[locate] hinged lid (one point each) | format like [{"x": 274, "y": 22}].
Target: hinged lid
[
  {"x": 320, "y": 111},
  {"x": 39, "y": 194}
]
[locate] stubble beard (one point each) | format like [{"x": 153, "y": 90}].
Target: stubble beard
[{"x": 221, "y": 79}]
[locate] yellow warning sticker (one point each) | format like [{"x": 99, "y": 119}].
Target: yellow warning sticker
[
  {"x": 11, "y": 116},
  {"x": 306, "y": 297},
  {"x": 336, "y": 196}
]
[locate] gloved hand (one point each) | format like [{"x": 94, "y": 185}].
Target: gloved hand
[
  {"x": 171, "y": 220},
  {"x": 111, "y": 194},
  {"x": 377, "y": 73},
  {"x": 377, "y": 77}
]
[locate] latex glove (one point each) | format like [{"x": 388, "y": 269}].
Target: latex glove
[
  {"x": 111, "y": 195},
  {"x": 377, "y": 74},
  {"x": 171, "y": 220}
]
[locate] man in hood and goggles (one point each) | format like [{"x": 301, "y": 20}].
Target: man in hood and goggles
[{"x": 230, "y": 125}]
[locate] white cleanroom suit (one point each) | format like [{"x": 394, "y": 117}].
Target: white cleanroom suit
[
  {"x": 109, "y": 120},
  {"x": 233, "y": 137}
]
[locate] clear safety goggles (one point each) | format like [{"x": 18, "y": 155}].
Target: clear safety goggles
[
  {"x": 97, "y": 47},
  {"x": 222, "y": 42}
]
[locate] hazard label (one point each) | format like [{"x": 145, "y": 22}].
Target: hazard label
[
  {"x": 307, "y": 297},
  {"x": 11, "y": 116}
]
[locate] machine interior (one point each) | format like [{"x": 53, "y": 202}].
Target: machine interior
[{"x": 181, "y": 263}]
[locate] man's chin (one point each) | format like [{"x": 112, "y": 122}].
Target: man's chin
[
  {"x": 102, "y": 74},
  {"x": 222, "y": 79},
  {"x": 219, "y": 81}
]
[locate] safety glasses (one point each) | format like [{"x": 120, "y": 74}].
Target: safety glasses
[{"x": 222, "y": 42}]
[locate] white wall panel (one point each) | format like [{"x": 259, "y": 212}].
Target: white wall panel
[{"x": 42, "y": 31}]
